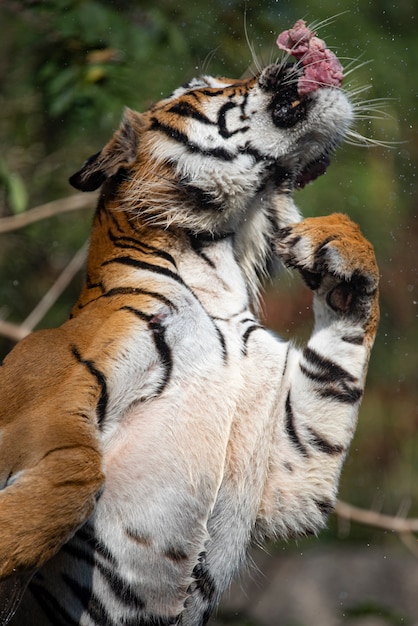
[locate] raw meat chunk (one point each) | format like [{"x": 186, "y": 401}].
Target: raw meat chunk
[{"x": 321, "y": 68}]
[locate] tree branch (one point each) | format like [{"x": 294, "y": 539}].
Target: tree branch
[
  {"x": 13, "y": 331},
  {"x": 410, "y": 541},
  {"x": 16, "y": 332},
  {"x": 71, "y": 203},
  {"x": 373, "y": 518},
  {"x": 54, "y": 292}
]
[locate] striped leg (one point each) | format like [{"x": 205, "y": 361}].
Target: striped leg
[{"x": 323, "y": 383}]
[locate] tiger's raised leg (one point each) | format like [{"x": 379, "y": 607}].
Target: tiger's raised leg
[
  {"x": 322, "y": 383},
  {"x": 312, "y": 413}
]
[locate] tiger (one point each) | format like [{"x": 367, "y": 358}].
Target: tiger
[{"x": 152, "y": 438}]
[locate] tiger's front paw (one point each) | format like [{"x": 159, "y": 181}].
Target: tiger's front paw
[{"x": 334, "y": 259}]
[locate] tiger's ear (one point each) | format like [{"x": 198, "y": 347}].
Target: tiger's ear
[{"x": 119, "y": 152}]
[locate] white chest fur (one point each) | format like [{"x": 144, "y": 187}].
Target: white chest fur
[{"x": 168, "y": 456}]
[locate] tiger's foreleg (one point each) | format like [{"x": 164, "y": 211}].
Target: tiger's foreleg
[
  {"x": 323, "y": 383},
  {"x": 310, "y": 410}
]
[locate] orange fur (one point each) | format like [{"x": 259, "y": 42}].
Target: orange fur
[
  {"x": 48, "y": 432},
  {"x": 48, "y": 410},
  {"x": 338, "y": 232}
]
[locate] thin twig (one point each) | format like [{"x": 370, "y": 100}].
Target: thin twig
[
  {"x": 71, "y": 203},
  {"x": 54, "y": 292},
  {"x": 373, "y": 518},
  {"x": 13, "y": 331},
  {"x": 410, "y": 541}
]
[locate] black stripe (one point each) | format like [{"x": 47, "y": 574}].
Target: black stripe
[
  {"x": 186, "y": 109},
  {"x": 320, "y": 378},
  {"x": 326, "y": 507},
  {"x": 321, "y": 249},
  {"x": 123, "y": 591},
  {"x": 129, "y": 221},
  {"x": 205, "y": 585},
  {"x": 127, "y": 260},
  {"x": 285, "y": 232},
  {"x": 338, "y": 390},
  {"x": 223, "y": 131},
  {"x": 55, "y": 613},
  {"x": 286, "y": 360},
  {"x": 345, "y": 395},
  {"x": 221, "y": 341},
  {"x": 357, "y": 340},
  {"x": 244, "y": 103},
  {"x": 258, "y": 156},
  {"x": 213, "y": 91},
  {"x": 90, "y": 602},
  {"x": 173, "y": 133},
  {"x": 81, "y": 592},
  {"x": 151, "y": 620},
  {"x": 98, "y": 613},
  {"x": 141, "y": 246},
  {"x": 163, "y": 349},
  {"x": 101, "y": 379},
  {"x": 131, "y": 291},
  {"x": 291, "y": 430},
  {"x": 136, "y": 291},
  {"x": 114, "y": 220},
  {"x": 247, "y": 334},
  {"x": 86, "y": 535},
  {"x": 120, "y": 588},
  {"x": 177, "y": 555},
  {"x": 323, "y": 445},
  {"x": 102, "y": 208},
  {"x": 204, "y": 582},
  {"x": 145, "y": 317},
  {"x": 329, "y": 369},
  {"x": 197, "y": 247},
  {"x": 246, "y": 320},
  {"x": 200, "y": 198},
  {"x": 91, "y": 285},
  {"x": 208, "y": 238},
  {"x": 165, "y": 272},
  {"x": 79, "y": 553}
]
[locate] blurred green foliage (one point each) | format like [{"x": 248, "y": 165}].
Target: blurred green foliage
[
  {"x": 67, "y": 69},
  {"x": 372, "y": 608}
]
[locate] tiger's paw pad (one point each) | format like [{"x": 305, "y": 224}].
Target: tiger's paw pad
[{"x": 333, "y": 258}]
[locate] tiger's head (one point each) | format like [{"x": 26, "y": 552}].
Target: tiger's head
[{"x": 222, "y": 156}]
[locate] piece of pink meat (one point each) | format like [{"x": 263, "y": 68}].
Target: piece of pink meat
[{"x": 321, "y": 68}]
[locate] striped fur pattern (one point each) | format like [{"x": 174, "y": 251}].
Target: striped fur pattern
[{"x": 160, "y": 430}]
